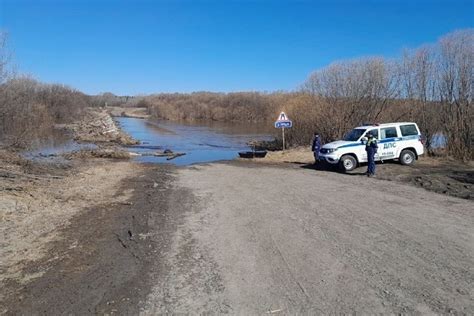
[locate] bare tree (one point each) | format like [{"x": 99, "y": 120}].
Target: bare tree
[
  {"x": 455, "y": 85},
  {"x": 417, "y": 89},
  {"x": 6, "y": 67},
  {"x": 356, "y": 92}
]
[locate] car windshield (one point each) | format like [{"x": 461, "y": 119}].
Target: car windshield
[{"x": 354, "y": 135}]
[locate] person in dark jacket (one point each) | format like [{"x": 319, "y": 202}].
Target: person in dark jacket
[
  {"x": 371, "y": 148},
  {"x": 315, "y": 147}
]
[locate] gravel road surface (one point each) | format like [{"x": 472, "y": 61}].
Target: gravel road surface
[{"x": 257, "y": 240}]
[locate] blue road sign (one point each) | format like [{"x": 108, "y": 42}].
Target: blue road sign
[{"x": 283, "y": 124}]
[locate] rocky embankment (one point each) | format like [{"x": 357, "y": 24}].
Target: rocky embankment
[{"x": 99, "y": 127}]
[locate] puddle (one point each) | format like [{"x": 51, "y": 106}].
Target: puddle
[{"x": 51, "y": 148}]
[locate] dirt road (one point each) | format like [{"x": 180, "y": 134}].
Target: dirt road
[
  {"x": 265, "y": 239},
  {"x": 243, "y": 238}
]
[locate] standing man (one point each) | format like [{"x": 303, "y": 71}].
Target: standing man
[
  {"x": 315, "y": 147},
  {"x": 371, "y": 148}
]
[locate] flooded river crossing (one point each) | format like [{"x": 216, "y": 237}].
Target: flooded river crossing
[{"x": 201, "y": 142}]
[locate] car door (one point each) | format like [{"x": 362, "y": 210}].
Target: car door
[{"x": 388, "y": 142}]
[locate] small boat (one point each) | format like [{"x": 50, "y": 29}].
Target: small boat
[{"x": 253, "y": 154}]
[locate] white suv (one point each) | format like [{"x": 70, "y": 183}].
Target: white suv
[{"x": 400, "y": 141}]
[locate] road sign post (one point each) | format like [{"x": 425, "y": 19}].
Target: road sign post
[
  {"x": 283, "y": 137},
  {"x": 283, "y": 122}
]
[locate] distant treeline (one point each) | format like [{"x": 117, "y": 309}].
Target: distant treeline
[
  {"x": 432, "y": 85},
  {"x": 240, "y": 106}
]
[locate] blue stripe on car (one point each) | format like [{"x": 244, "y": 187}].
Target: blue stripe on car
[
  {"x": 351, "y": 145},
  {"x": 387, "y": 140}
]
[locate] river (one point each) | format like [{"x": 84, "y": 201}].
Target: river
[{"x": 201, "y": 142}]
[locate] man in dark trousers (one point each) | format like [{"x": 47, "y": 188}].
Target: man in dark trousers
[
  {"x": 371, "y": 148},
  {"x": 315, "y": 147}
]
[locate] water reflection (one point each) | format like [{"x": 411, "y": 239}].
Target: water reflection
[
  {"x": 438, "y": 141},
  {"x": 204, "y": 142},
  {"x": 58, "y": 142}
]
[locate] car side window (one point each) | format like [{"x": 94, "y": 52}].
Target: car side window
[
  {"x": 374, "y": 132},
  {"x": 388, "y": 132},
  {"x": 408, "y": 130}
]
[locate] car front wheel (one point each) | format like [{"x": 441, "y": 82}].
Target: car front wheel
[
  {"x": 407, "y": 157},
  {"x": 347, "y": 163}
]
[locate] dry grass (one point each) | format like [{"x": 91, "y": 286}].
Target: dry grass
[
  {"x": 134, "y": 112},
  {"x": 302, "y": 155}
]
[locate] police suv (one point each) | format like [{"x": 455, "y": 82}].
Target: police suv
[{"x": 401, "y": 141}]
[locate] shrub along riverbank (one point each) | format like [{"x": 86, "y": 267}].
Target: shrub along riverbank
[{"x": 29, "y": 109}]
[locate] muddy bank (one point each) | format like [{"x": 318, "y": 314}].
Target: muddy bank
[
  {"x": 440, "y": 175},
  {"x": 37, "y": 200},
  {"x": 83, "y": 238},
  {"x": 78, "y": 238},
  {"x": 98, "y": 262}
]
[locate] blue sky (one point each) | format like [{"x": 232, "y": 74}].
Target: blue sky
[{"x": 145, "y": 46}]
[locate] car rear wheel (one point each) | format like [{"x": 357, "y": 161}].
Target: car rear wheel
[
  {"x": 407, "y": 157},
  {"x": 347, "y": 163}
]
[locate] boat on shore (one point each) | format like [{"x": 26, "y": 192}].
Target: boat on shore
[{"x": 253, "y": 154}]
